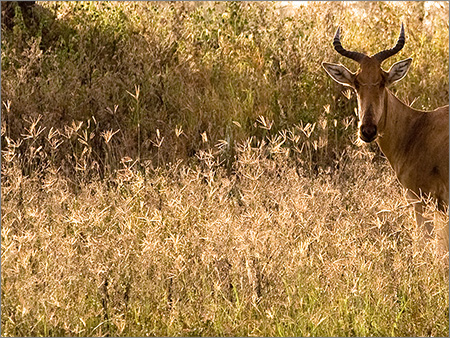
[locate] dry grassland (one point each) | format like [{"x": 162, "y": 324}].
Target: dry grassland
[{"x": 188, "y": 198}]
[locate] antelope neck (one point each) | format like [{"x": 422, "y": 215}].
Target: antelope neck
[{"x": 396, "y": 116}]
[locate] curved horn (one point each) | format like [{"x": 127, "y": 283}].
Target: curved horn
[
  {"x": 381, "y": 56},
  {"x": 338, "y": 47}
]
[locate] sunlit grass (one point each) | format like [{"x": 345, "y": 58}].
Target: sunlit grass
[
  {"x": 175, "y": 169},
  {"x": 195, "y": 251}
]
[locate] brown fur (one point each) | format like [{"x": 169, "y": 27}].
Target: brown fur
[{"x": 416, "y": 143}]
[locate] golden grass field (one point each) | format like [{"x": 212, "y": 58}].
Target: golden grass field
[{"x": 180, "y": 169}]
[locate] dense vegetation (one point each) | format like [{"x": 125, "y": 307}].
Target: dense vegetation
[
  {"x": 189, "y": 169},
  {"x": 171, "y": 79}
]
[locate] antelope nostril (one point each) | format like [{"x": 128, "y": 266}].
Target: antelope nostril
[{"x": 368, "y": 132}]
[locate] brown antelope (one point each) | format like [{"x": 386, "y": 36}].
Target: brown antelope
[{"x": 415, "y": 142}]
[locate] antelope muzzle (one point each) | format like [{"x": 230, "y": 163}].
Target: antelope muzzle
[{"x": 368, "y": 132}]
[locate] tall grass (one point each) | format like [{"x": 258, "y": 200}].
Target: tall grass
[
  {"x": 180, "y": 169},
  {"x": 183, "y": 251},
  {"x": 212, "y": 68}
]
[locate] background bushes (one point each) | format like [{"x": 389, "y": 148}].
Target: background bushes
[{"x": 170, "y": 79}]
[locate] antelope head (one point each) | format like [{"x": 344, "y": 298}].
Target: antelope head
[{"x": 370, "y": 82}]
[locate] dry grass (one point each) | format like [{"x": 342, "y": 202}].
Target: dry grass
[
  {"x": 203, "y": 69},
  {"x": 195, "y": 251},
  {"x": 228, "y": 205}
]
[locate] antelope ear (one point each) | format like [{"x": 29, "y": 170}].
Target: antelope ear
[
  {"x": 339, "y": 73},
  {"x": 398, "y": 71}
]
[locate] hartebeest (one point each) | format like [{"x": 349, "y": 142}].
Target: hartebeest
[{"x": 415, "y": 142}]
